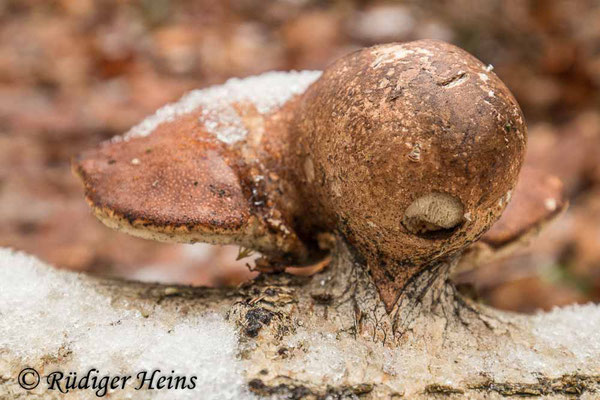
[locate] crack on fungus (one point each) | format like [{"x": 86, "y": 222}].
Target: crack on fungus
[{"x": 453, "y": 81}]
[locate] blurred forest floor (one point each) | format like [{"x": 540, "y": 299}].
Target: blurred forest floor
[{"x": 76, "y": 72}]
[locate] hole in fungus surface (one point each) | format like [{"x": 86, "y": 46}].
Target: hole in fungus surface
[{"x": 434, "y": 216}]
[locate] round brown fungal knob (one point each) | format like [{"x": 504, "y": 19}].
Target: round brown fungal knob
[{"x": 410, "y": 151}]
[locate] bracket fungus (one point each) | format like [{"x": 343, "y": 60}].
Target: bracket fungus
[
  {"x": 395, "y": 161},
  {"x": 408, "y": 152}
]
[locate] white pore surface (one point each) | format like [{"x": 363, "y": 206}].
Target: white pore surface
[
  {"x": 266, "y": 92},
  {"x": 47, "y": 313}
]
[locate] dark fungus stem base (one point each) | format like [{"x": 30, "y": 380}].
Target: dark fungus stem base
[{"x": 345, "y": 289}]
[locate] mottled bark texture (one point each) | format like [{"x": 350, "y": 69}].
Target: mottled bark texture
[
  {"x": 430, "y": 346},
  {"x": 430, "y": 315}
]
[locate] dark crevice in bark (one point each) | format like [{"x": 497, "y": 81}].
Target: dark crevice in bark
[{"x": 568, "y": 385}]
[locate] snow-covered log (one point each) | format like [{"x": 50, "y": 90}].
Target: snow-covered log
[{"x": 286, "y": 336}]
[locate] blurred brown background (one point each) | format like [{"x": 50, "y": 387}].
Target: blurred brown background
[{"x": 76, "y": 72}]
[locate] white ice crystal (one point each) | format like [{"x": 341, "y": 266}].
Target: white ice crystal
[
  {"x": 46, "y": 313},
  {"x": 266, "y": 92}
]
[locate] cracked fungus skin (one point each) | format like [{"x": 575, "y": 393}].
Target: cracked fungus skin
[{"x": 386, "y": 125}]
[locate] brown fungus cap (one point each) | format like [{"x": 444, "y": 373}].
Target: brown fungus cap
[
  {"x": 537, "y": 200},
  {"x": 411, "y": 151},
  {"x": 153, "y": 184},
  {"x": 181, "y": 183}
]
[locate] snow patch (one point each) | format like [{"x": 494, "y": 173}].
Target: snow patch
[
  {"x": 573, "y": 329},
  {"x": 266, "y": 92},
  {"x": 47, "y": 314},
  {"x": 566, "y": 343},
  {"x": 571, "y": 332}
]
